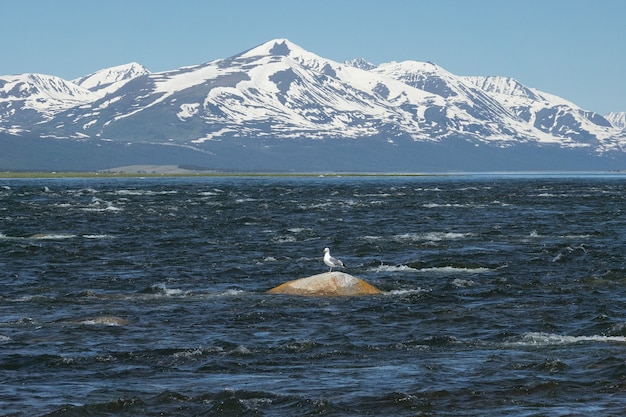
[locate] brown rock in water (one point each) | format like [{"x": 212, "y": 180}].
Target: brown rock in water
[{"x": 327, "y": 284}]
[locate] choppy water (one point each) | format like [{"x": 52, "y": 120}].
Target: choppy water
[{"x": 502, "y": 296}]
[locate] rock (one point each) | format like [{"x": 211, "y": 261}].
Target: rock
[{"x": 327, "y": 284}]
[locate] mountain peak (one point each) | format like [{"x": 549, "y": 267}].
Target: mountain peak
[
  {"x": 283, "y": 48},
  {"x": 360, "y": 63},
  {"x": 99, "y": 80},
  {"x": 503, "y": 85},
  {"x": 275, "y": 47},
  {"x": 617, "y": 119}
]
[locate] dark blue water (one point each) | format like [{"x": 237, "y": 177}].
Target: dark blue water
[{"x": 143, "y": 297}]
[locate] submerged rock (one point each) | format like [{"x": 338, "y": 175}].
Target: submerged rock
[{"x": 327, "y": 284}]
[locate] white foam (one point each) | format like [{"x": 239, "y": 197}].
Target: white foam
[
  {"x": 392, "y": 268},
  {"x": 131, "y": 192},
  {"x": 437, "y": 205},
  {"x": 406, "y": 292},
  {"x": 105, "y": 321},
  {"x": 462, "y": 283},
  {"x": 284, "y": 239},
  {"x": 298, "y": 229},
  {"x": 455, "y": 270},
  {"x": 431, "y": 236},
  {"x": 52, "y": 236},
  {"x": 98, "y": 206},
  {"x": 550, "y": 339},
  {"x": 230, "y": 293},
  {"x": 98, "y": 236},
  {"x": 189, "y": 353}
]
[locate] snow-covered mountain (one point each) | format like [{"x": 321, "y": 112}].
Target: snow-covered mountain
[
  {"x": 27, "y": 99},
  {"x": 111, "y": 79},
  {"x": 30, "y": 99},
  {"x": 282, "y": 96},
  {"x": 549, "y": 113},
  {"x": 617, "y": 119}
]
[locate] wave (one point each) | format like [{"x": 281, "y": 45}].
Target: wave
[
  {"x": 98, "y": 236},
  {"x": 456, "y": 270},
  {"x": 446, "y": 205},
  {"x": 430, "y": 270},
  {"x": 101, "y": 206},
  {"x": 284, "y": 239},
  {"x": 463, "y": 283},
  {"x": 105, "y": 321},
  {"x": 392, "y": 268},
  {"x": 52, "y": 236},
  {"x": 156, "y": 291},
  {"x": 406, "y": 291},
  {"x": 431, "y": 236},
  {"x": 130, "y": 192},
  {"x": 229, "y": 402},
  {"x": 55, "y": 236},
  {"x": 550, "y": 339},
  {"x": 299, "y": 229}
]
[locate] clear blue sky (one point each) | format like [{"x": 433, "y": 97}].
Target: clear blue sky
[{"x": 572, "y": 48}]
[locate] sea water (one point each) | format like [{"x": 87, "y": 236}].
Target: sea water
[{"x": 502, "y": 295}]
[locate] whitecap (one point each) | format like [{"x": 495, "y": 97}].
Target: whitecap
[
  {"x": 105, "y": 321},
  {"x": 241, "y": 350},
  {"x": 407, "y": 291},
  {"x": 168, "y": 292},
  {"x": 189, "y": 353},
  {"x": 447, "y": 205},
  {"x": 550, "y": 339},
  {"x": 5, "y": 339},
  {"x": 98, "y": 205},
  {"x": 144, "y": 192},
  {"x": 284, "y": 239},
  {"x": 370, "y": 238},
  {"x": 96, "y": 236},
  {"x": 111, "y": 207},
  {"x": 455, "y": 270},
  {"x": 431, "y": 236},
  {"x": 298, "y": 229},
  {"x": 393, "y": 268},
  {"x": 462, "y": 283},
  {"x": 230, "y": 293},
  {"x": 52, "y": 236}
]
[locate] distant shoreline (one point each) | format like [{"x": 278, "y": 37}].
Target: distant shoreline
[
  {"x": 164, "y": 171},
  {"x": 216, "y": 174},
  {"x": 45, "y": 175}
]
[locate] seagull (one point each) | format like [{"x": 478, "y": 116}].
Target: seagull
[{"x": 332, "y": 262}]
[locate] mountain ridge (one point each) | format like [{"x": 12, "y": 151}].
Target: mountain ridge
[{"x": 278, "y": 92}]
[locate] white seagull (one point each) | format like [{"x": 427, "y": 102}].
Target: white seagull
[{"x": 332, "y": 262}]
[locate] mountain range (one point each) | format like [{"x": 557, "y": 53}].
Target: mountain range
[{"x": 278, "y": 107}]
